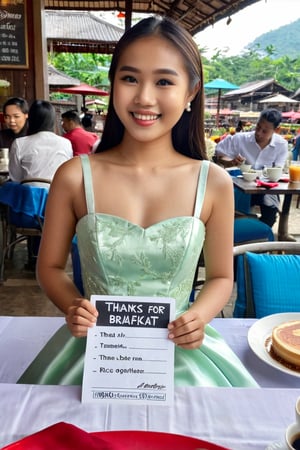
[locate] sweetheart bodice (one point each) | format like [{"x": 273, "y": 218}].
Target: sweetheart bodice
[{"x": 121, "y": 258}]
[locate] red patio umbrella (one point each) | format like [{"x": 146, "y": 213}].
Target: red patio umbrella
[
  {"x": 291, "y": 115},
  {"x": 287, "y": 114},
  {"x": 84, "y": 90}
]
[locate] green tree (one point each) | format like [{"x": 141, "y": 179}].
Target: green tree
[
  {"x": 87, "y": 67},
  {"x": 252, "y": 65}
]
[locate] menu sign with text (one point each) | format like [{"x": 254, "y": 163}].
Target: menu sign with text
[
  {"x": 129, "y": 357},
  {"x": 13, "y": 34}
]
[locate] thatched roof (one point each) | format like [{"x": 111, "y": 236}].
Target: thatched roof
[
  {"x": 59, "y": 79},
  {"x": 194, "y": 15},
  {"x": 256, "y": 90},
  {"x": 80, "y": 32}
]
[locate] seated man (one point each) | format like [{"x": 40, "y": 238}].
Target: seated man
[
  {"x": 261, "y": 148},
  {"x": 82, "y": 141}
]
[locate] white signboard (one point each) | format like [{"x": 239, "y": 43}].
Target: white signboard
[{"x": 129, "y": 357}]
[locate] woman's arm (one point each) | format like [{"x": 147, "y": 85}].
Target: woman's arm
[
  {"x": 65, "y": 204},
  {"x": 188, "y": 329}
]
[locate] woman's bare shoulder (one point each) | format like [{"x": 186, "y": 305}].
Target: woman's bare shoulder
[
  {"x": 219, "y": 181},
  {"x": 218, "y": 174},
  {"x": 69, "y": 173}
]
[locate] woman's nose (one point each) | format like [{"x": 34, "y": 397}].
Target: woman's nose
[{"x": 145, "y": 95}]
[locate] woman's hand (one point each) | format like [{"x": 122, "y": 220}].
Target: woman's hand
[
  {"x": 81, "y": 316},
  {"x": 187, "y": 331}
]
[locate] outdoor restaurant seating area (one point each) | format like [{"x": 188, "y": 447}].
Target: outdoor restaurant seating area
[
  {"x": 28, "y": 320},
  {"x": 264, "y": 294}
]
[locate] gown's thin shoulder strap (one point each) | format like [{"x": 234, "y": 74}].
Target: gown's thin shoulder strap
[
  {"x": 88, "y": 183},
  {"x": 201, "y": 188}
]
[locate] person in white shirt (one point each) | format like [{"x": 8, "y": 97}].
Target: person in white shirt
[
  {"x": 38, "y": 155},
  {"x": 41, "y": 152},
  {"x": 263, "y": 147}
]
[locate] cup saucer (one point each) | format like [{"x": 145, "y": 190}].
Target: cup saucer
[{"x": 277, "y": 445}]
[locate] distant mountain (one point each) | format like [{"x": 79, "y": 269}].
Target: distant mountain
[{"x": 285, "y": 40}]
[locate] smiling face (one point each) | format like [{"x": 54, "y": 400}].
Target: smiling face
[
  {"x": 14, "y": 118},
  {"x": 151, "y": 88}
]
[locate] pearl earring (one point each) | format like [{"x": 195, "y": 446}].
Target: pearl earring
[{"x": 188, "y": 107}]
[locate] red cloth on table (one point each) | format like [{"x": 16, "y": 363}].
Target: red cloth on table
[
  {"x": 62, "y": 436},
  {"x": 266, "y": 184}
]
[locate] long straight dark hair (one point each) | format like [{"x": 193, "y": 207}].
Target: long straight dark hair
[
  {"x": 41, "y": 117},
  {"x": 188, "y": 134}
]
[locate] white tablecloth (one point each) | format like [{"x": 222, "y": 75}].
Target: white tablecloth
[
  {"x": 22, "y": 338},
  {"x": 239, "y": 419}
]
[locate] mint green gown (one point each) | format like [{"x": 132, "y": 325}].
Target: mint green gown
[{"x": 121, "y": 258}]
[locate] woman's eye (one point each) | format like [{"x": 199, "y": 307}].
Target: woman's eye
[
  {"x": 129, "y": 79},
  {"x": 164, "y": 82}
]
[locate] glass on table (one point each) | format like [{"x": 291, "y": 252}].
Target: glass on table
[{"x": 294, "y": 171}]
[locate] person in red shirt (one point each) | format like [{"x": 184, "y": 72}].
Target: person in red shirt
[{"x": 82, "y": 141}]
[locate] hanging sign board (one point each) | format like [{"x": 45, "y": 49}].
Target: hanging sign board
[{"x": 13, "y": 34}]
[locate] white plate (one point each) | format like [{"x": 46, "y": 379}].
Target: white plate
[{"x": 261, "y": 330}]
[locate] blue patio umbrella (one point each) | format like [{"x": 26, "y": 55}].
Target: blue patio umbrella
[{"x": 219, "y": 84}]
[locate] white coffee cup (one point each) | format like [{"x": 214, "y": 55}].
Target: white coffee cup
[
  {"x": 273, "y": 173},
  {"x": 292, "y": 434},
  {"x": 245, "y": 167},
  {"x": 249, "y": 176}
]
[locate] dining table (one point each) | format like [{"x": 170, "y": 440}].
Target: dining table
[
  {"x": 235, "y": 418},
  {"x": 285, "y": 188}
]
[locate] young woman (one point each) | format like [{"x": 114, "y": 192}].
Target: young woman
[
  {"x": 15, "y": 114},
  {"x": 143, "y": 206},
  {"x": 42, "y": 151},
  {"x": 38, "y": 155}
]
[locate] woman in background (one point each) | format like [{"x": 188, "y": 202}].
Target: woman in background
[
  {"x": 38, "y": 155},
  {"x": 41, "y": 152},
  {"x": 15, "y": 114}
]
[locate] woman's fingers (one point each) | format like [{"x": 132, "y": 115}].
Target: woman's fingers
[
  {"x": 187, "y": 331},
  {"x": 190, "y": 339},
  {"x": 77, "y": 330},
  {"x": 81, "y": 316}
]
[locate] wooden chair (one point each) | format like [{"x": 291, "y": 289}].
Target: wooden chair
[
  {"x": 22, "y": 214},
  {"x": 268, "y": 280}
]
